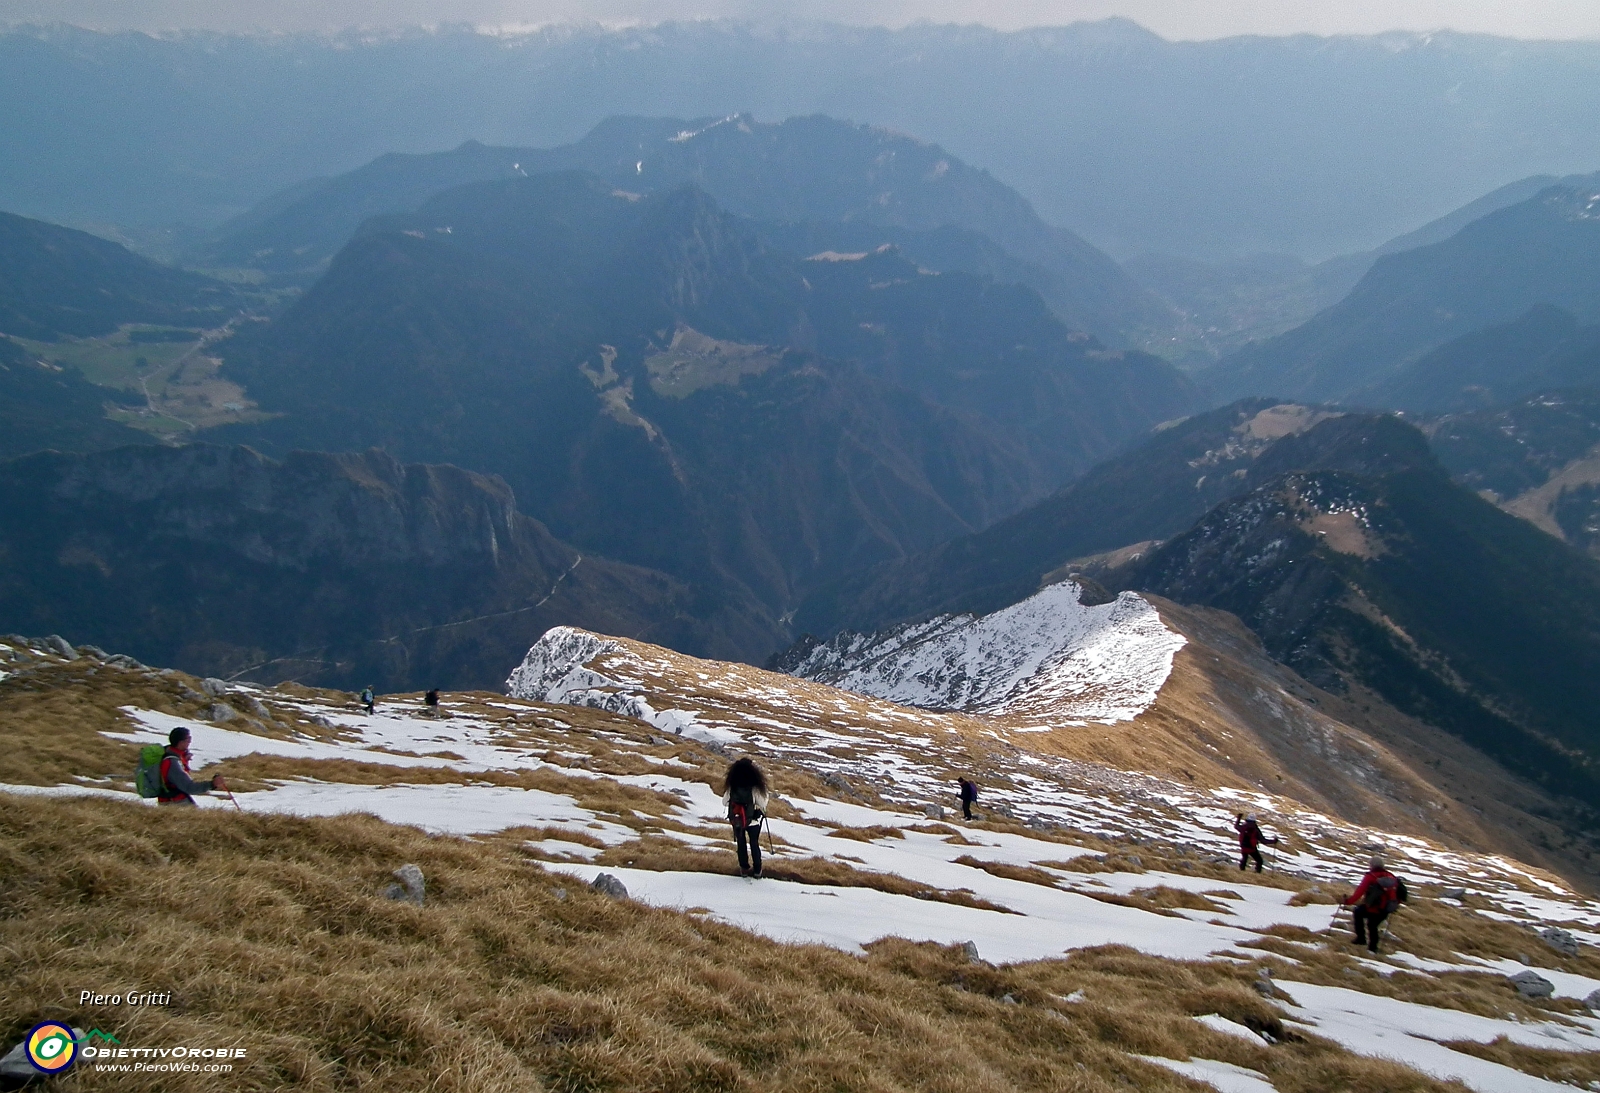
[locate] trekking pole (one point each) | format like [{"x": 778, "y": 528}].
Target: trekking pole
[{"x": 235, "y": 801}]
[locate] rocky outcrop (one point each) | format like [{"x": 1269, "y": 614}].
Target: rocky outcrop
[
  {"x": 342, "y": 570},
  {"x": 362, "y": 508}
]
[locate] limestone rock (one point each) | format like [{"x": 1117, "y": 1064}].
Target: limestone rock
[
  {"x": 214, "y": 687},
  {"x": 58, "y": 644},
  {"x": 220, "y": 711},
  {"x": 411, "y": 888},
  {"x": 1593, "y": 1000},
  {"x": 969, "y": 949},
  {"x": 608, "y": 885},
  {"x": 1559, "y": 940},
  {"x": 1530, "y": 984},
  {"x": 1453, "y": 893}
]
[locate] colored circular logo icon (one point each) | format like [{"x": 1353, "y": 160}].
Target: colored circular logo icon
[{"x": 51, "y": 1047}]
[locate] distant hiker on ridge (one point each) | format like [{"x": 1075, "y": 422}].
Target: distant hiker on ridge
[
  {"x": 1377, "y": 897},
  {"x": 1250, "y": 839},
  {"x": 969, "y": 796},
  {"x": 177, "y": 788},
  {"x": 367, "y": 697},
  {"x": 431, "y": 700},
  {"x": 745, "y": 795}
]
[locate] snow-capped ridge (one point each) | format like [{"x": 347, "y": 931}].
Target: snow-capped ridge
[{"x": 1049, "y": 655}]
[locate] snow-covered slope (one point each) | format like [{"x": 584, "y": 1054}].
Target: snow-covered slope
[
  {"x": 1066, "y": 855},
  {"x": 1049, "y": 657}
]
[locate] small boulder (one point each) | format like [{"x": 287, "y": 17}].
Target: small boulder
[
  {"x": 220, "y": 711},
  {"x": 969, "y": 949},
  {"x": 608, "y": 885},
  {"x": 1559, "y": 940},
  {"x": 1593, "y": 1000},
  {"x": 411, "y": 888},
  {"x": 933, "y": 812},
  {"x": 214, "y": 687},
  {"x": 1530, "y": 984},
  {"x": 58, "y": 644},
  {"x": 1136, "y": 861},
  {"x": 1453, "y": 893}
]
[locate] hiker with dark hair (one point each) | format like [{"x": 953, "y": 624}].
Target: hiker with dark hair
[
  {"x": 969, "y": 796},
  {"x": 1377, "y": 897},
  {"x": 177, "y": 788},
  {"x": 431, "y": 700},
  {"x": 1250, "y": 839},
  {"x": 368, "y": 698},
  {"x": 744, "y": 792}
]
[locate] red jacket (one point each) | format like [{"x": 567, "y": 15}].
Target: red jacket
[
  {"x": 177, "y": 788},
  {"x": 1394, "y": 894}
]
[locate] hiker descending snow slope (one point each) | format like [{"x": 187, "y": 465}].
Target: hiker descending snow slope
[{"x": 1048, "y": 655}]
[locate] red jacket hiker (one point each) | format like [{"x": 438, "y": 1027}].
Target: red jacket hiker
[
  {"x": 177, "y": 788},
  {"x": 1250, "y": 839},
  {"x": 1374, "y": 899}
]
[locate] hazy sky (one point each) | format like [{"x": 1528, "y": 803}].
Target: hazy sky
[{"x": 1171, "y": 18}]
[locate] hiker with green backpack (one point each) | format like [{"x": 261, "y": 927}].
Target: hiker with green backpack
[
  {"x": 745, "y": 794},
  {"x": 164, "y": 772}
]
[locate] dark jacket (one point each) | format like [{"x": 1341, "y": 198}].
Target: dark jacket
[
  {"x": 1250, "y": 835},
  {"x": 177, "y": 788}
]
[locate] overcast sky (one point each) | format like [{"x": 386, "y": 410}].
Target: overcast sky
[{"x": 1171, "y": 18}]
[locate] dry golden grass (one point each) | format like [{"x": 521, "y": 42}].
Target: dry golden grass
[
  {"x": 1556, "y": 1066},
  {"x": 1165, "y": 896},
  {"x": 270, "y": 933},
  {"x": 867, "y": 834},
  {"x": 1010, "y": 872}
]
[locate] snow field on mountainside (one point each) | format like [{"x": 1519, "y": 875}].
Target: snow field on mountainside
[
  {"x": 1048, "y": 656},
  {"x": 904, "y": 750}
]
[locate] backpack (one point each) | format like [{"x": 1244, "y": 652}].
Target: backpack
[
  {"x": 147, "y": 779},
  {"x": 969, "y": 790},
  {"x": 1384, "y": 894},
  {"x": 741, "y": 805}
]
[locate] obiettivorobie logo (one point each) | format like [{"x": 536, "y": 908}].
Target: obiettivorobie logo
[{"x": 53, "y": 1049}]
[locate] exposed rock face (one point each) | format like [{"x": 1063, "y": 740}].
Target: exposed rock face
[
  {"x": 342, "y": 570},
  {"x": 364, "y": 508}
]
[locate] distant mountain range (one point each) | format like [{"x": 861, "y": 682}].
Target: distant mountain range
[
  {"x": 338, "y": 570},
  {"x": 817, "y": 183},
  {"x": 1227, "y": 303},
  {"x": 1308, "y": 146},
  {"x": 1542, "y": 251},
  {"x": 55, "y": 281},
  {"x": 661, "y": 387}
]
